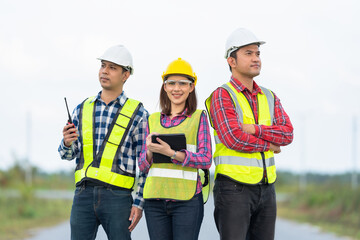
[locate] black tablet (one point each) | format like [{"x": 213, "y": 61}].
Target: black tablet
[{"x": 176, "y": 141}]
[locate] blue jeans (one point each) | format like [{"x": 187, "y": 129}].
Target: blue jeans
[
  {"x": 174, "y": 220},
  {"x": 244, "y": 211},
  {"x": 95, "y": 205}
]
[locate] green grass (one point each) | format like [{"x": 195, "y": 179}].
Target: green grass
[
  {"x": 18, "y": 215},
  {"x": 22, "y": 212},
  {"x": 333, "y": 207}
]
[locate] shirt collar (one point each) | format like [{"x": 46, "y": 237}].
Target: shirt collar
[
  {"x": 241, "y": 87},
  {"x": 120, "y": 99},
  {"x": 183, "y": 114}
]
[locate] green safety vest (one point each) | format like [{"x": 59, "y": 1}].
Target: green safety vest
[
  {"x": 172, "y": 181},
  {"x": 104, "y": 165},
  {"x": 246, "y": 167}
]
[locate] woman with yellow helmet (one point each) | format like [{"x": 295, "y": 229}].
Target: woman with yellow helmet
[{"x": 174, "y": 189}]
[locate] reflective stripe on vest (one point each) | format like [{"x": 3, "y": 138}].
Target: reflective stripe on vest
[
  {"x": 172, "y": 173},
  {"x": 246, "y": 167},
  {"x": 104, "y": 165},
  {"x": 168, "y": 180}
]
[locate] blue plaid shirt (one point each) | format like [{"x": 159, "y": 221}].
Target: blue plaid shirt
[{"x": 130, "y": 150}]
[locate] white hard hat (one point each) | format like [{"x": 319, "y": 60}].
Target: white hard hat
[
  {"x": 119, "y": 55},
  {"x": 239, "y": 38}
]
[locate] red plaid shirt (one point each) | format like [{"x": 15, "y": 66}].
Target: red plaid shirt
[{"x": 228, "y": 127}]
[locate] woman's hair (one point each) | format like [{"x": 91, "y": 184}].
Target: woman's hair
[{"x": 165, "y": 103}]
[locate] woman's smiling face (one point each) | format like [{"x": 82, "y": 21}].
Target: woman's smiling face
[{"x": 178, "y": 89}]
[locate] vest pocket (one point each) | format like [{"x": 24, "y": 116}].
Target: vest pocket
[
  {"x": 248, "y": 119},
  {"x": 266, "y": 122}
]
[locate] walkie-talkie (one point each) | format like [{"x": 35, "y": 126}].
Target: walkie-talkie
[{"x": 67, "y": 108}]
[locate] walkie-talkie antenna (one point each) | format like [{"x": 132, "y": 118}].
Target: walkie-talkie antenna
[{"x": 67, "y": 108}]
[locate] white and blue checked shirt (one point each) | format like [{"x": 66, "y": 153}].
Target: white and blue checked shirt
[{"x": 130, "y": 150}]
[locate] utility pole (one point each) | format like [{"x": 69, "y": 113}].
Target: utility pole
[
  {"x": 28, "y": 167},
  {"x": 303, "y": 174},
  {"x": 354, "y": 181}
]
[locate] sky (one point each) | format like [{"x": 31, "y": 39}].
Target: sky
[{"x": 48, "y": 51}]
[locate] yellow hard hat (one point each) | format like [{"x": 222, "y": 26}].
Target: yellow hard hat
[{"x": 180, "y": 67}]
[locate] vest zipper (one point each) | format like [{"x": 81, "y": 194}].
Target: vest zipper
[
  {"x": 265, "y": 172},
  {"x": 262, "y": 153}
]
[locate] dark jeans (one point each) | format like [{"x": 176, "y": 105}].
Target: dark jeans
[
  {"x": 244, "y": 211},
  {"x": 94, "y": 205},
  {"x": 174, "y": 220}
]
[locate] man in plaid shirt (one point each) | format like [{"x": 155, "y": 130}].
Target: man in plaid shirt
[
  {"x": 100, "y": 199},
  {"x": 250, "y": 126}
]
